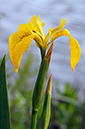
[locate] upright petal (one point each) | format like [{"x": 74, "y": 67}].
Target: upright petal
[
  {"x": 47, "y": 38},
  {"x": 19, "y": 43},
  {"x": 33, "y": 19},
  {"x": 61, "y": 26},
  {"x": 74, "y": 45},
  {"x": 40, "y": 24},
  {"x": 29, "y": 30},
  {"x": 39, "y": 19},
  {"x": 32, "y": 26}
]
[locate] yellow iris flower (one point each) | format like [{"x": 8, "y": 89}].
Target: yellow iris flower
[{"x": 20, "y": 41}]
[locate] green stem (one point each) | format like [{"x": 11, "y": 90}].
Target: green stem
[
  {"x": 34, "y": 119},
  {"x": 42, "y": 54}
]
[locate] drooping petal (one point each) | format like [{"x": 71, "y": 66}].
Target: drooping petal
[
  {"x": 75, "y": 52},
  {"x": 37, "y": 37},
  {"x": 23, "y": 27},
  {"x": 74, "y": 45},
  {"x": 61, "y": 26},
  {"x": 19, "y": 43}
]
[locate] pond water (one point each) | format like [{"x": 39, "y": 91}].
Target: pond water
[{"x": 14, "y": 13}]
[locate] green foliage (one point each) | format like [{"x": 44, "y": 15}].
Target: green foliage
[
  {"x": 4, "y": 105},
  {"x": 40, "y": 84},
  {"x": 38, "y": 91},
  {"x": 20, "y": 90},
  {"x": 67, "y": 110},
  {"x": 44, "y": 119}
]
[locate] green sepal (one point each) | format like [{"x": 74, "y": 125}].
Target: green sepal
[
  {"x": 4, "y": 104},
  {"x": 40, "y": 83}
]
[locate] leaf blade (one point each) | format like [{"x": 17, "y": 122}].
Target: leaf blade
[{"x": 4, "y": 106}]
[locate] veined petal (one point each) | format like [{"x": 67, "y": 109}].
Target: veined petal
[
  {"x": 18, "y": 44},
  {"x": 37, "y": 36},
  {"x": 61, "y": 26},
  {"x": 29, "y": 29},
  {"x": 74, "y": 45},
  {"x": 26, "y": 29}
]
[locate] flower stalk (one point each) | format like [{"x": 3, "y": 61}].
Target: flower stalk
[{"x": 39, "y": 86}]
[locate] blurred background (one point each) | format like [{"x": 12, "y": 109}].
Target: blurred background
[{"x": 68, "y": 91}]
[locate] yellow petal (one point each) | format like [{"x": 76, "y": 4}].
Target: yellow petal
[
  {"x": 74, "y": 45},
  {"x": 75, "y": 52},
  {"x": 18, "y": 44},
  {"x": 27, "y": 28},
  {"x": 33, "y": 19},
  {"x": 61, "y": 26},
  {"x": 39, "y": 24},
  {"x": 47, "y": 38},
  {"x": 39, "y": 19},
  {"x": 60, "y": 33},
  {"x": 33, "y": 27},
  {"x": 23, "y": 27},
  {"x": 38, "y": 40},
  {"x": 42, "y": 24}
]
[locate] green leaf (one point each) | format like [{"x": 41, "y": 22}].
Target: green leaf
[
  {"x": 4, "y": 105},
  {"x": 46, "y": 112},
  {"x": 45, "y": 116},
  {"x": 39, "y": 85}
]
